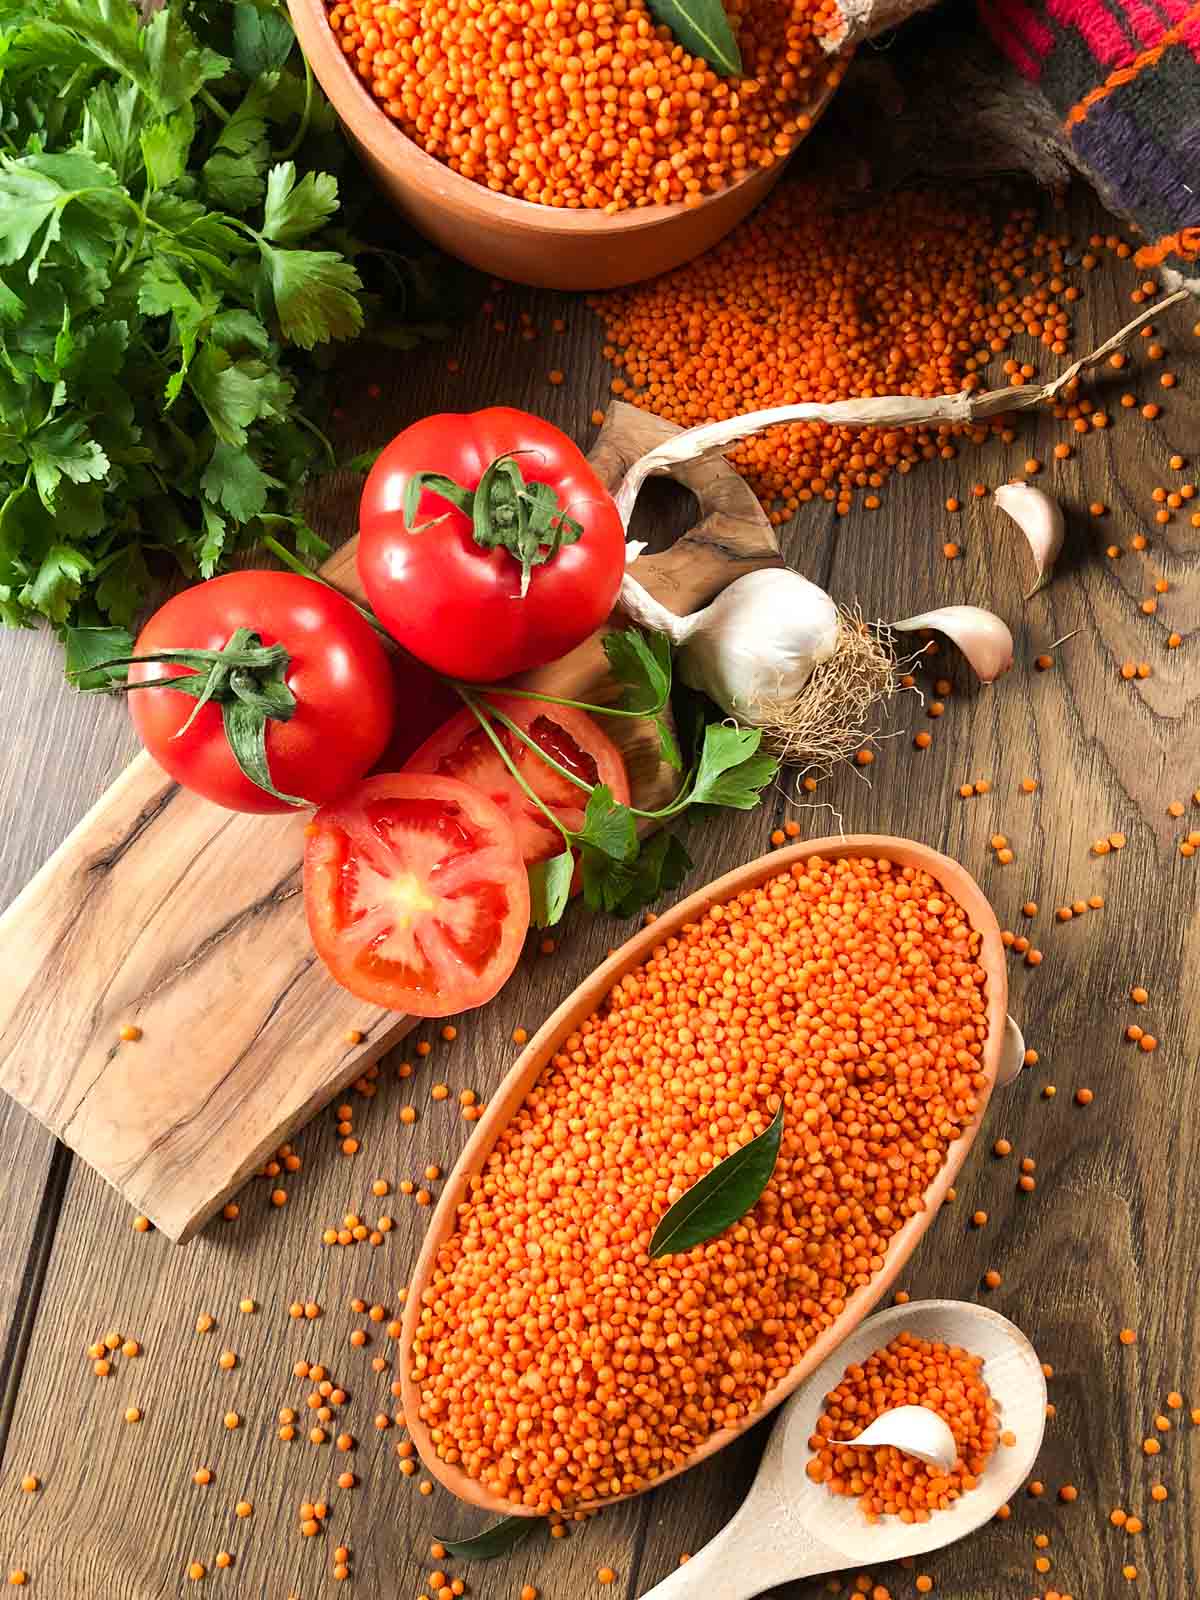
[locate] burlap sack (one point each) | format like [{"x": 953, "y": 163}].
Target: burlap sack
[{"x": 1111, "y": 90}]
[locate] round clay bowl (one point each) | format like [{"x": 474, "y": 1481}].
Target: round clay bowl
[
  {"x": 548, "y": 246},
  {"x": 586, "y": 999}
]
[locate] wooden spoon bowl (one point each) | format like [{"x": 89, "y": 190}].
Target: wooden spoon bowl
[
  {"x": 551, "y": 247},
  {"x": 1001, "y": 1057}
]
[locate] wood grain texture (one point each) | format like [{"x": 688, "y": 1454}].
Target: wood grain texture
[
  {"x": 1109, "y": 1238},
  {"x": 41, "y": 795},
  {"x": 165, "y": 911}
]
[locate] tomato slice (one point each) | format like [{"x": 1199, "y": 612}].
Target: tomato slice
[
  {"x": 461, "y": 749},
  {"x": 416, "y": 893}
]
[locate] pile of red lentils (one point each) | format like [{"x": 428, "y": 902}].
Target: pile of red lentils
[
  {"x": 592, "y": 104},
  {"x": 907, "y": 1372},
  {"x": 805, "y": 302},
  {"x": 557, "y": 1363}
]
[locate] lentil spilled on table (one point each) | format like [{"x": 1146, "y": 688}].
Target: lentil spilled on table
[
  {"x": 556, "y": 1362},
  {"x": 810, "y": 301}
]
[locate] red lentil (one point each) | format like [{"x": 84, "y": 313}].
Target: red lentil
[
  {"x": 575, "y": 121},
  {"x": 910, "y": 1371},
  {"x": 775, "y": 312},
  {"x": 722, "y": 1067}
]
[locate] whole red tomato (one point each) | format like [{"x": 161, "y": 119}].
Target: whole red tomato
[
  {"x": 303, "y": 689},
  {"x": 487, "y": 545}
]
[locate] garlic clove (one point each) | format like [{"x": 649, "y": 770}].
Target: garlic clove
[
  {"x": 916, "y": 1430},
  {"x": 981, "y": 636},
  {"x": 1040, "y": 519}
]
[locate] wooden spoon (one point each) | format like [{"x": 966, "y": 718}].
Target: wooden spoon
[
  {"x": 789, "y": 1527},
  {"x": 1002, "y": 1060}
]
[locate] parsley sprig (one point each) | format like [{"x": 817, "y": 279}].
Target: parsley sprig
[
  {"x": 172, "y": 242},
  {"x": 621, "y": 871}
]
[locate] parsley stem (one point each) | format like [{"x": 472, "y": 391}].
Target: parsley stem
[
  {"x": 558, "y": 700},
  {"x": 294, "y": 564},
  {"x": 305, "y": 422},
  {"x": 679, "y": 802},
  {"x": 525, "y": 738},
  {"x": 15, "y": 494},
  {"x": 301, "y": 132},
  {"x": 484, "y": 722},
  {"x": 213, "y": 104}
]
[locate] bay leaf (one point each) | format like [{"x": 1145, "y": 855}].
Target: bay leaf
[
  {"x": 702, "y": 28},
  {"x": 721, "y": 1196},
  {"x": 497, "y": 1540}
]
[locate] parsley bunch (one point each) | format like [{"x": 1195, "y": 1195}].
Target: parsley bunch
[{"x": 168, "y": 250}]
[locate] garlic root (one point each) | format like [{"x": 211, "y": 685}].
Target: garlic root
[{"x": 830, "y": 717}]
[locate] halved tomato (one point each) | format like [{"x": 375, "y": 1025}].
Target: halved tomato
[
  {"x": 461, "y": 749},
  {"x": 416, "y": 893}
]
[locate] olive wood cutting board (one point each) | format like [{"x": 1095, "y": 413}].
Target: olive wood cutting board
[{"x": 164, "y": 911}]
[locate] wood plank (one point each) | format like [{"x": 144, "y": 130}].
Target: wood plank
[
  {"x": 1106, "y": 1240},
  {"x": 41, "y": 797},
  {"x": 159, "y": 901}
]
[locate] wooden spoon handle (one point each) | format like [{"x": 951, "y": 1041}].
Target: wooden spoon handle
[{"x": 764, "y": 1545}]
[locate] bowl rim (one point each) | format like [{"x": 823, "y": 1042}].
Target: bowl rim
[
  {"x": 392, "y": 148},
  {"x": 580, "y": 1003}
]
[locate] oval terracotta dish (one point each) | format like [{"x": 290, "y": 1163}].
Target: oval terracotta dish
[
  {"x": 1002, "y": 1057},
  {"x": 548, "y": 246}
]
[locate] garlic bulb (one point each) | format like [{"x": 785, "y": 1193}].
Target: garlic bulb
[{"x": 751, "y": 648}]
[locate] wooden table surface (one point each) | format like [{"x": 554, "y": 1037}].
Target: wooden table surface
[{"x": 1109, "y": 1239}]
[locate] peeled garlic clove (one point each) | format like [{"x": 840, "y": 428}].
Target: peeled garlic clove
[
  {"x": 1040, "y": 519},
  {"x": 981, "y": 636}
]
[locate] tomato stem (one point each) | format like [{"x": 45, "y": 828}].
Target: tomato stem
[
  {"x": 246, "y": 679},
  {"x": 506, "y": 512}
]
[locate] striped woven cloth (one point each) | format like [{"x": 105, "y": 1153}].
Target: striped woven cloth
[{"x": 1123, "y": 78}]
